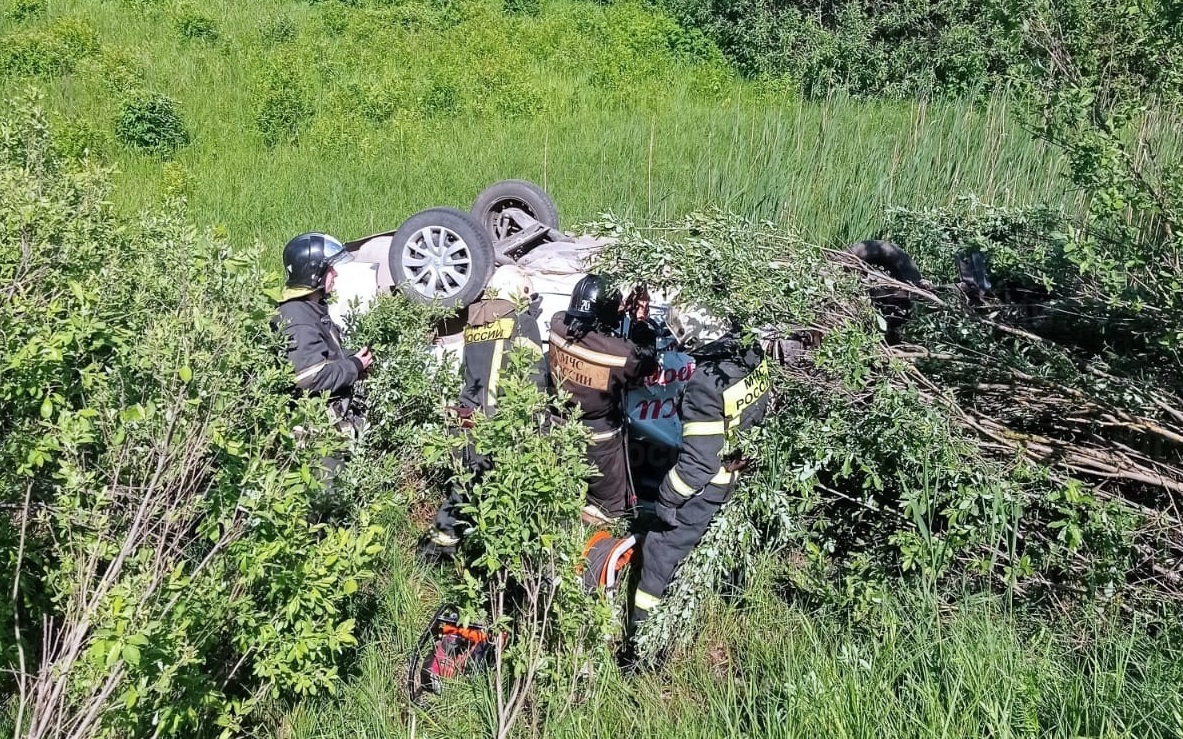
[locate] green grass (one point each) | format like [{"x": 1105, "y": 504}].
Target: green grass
[
  {"x": 829, "y": 169},
  {"x": 609, "y": 107},
  {"x": 767, "y": 668},
  {"x": 588, "y": 100}
]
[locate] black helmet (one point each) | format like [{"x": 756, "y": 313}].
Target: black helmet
[
  {"x": 308, "y": 257},
  {"x": 594, "y": 305}
]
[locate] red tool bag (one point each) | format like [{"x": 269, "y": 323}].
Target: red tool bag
[{"x": 448, "y": 649}]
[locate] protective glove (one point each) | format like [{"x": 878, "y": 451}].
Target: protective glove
[
  {"x": 643, "y": 333},
  {"x": 667, "y": 515},
  {"x": 668, "y": 503}
]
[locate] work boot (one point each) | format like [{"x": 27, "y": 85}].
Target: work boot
[
  {"x": 436, "y": 547},
  {"x": 632, "y": 663},
  {"x": 627, "y": 659}
]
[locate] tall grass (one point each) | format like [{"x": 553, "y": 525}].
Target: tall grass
[
  {"x": 766, "y": 668},
  {"x": 830, "y": 169},
  {"x": 621, "y": 125}
]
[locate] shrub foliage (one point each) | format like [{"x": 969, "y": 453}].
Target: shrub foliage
[
  {"x": 164, "y": 569},
  {"x": 897, "y": 49},
  {"x": 152, "y": 123},
  {"x": 50, "y": 51},
  {"x": 991, "y": 444}
]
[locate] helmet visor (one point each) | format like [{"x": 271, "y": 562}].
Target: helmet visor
[{"x": 335, "y": 252}]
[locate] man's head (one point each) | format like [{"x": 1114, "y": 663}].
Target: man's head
[
  {"x": 695, "y": 327},
  {"x": 309, "y": 261},
  {"x": 594, "y": 305}
]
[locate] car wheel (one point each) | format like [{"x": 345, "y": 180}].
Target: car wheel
[
  {"x": 894, "y": 305},
  {"x": 441, "y": 254},
  {"x": 888, "y": 257},
  {"x": 491, "y": 205}
]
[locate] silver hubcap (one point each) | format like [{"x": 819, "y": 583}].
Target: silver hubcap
[{"x": 437, "y": 262}]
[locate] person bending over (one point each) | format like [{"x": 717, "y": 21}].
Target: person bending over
[
  {"x": 595, "y": 365},
  {"x": 505, "y": 317},
  {"x": 727, "y": 394}
]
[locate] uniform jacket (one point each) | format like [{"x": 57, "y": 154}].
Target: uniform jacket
[
  {"x": 495, "y": 326},
  {"x": 727, "y": 393},
  {"x": 596, "y": 369},
  {"x": 314, "y": 348}
]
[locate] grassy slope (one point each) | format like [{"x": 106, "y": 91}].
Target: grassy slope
[
  {"x": 423, "y": 104},
  {"x": 765, "y": 668},
  {"x": 610, "y": 107}
]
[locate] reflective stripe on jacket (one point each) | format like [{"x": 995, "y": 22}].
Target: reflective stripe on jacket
[
  {"x": 727, "y": 394},
  {"x": 494, "y": 327},
  {"x": 595, "y": 369},
  {"x": 314, "y": 349}
]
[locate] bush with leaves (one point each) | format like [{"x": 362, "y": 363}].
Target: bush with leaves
[
  {"x": 897, "y": 49},
  {"x": 50, "y": 51},
  {"x": 22, "y": 10},
  {"x": 868, "y": 469},
  {"x": 409, "y": 385},
  {"x": 165, "y": 567},
  {"x": 277, "y": 29},
  {"x": 522, "y": 7},
  {"x": 525, "y": 543},
  {"x": 1076, "y": 360},
  {"x": 196, "y": 26},
  {"x": 1105, "y": 85},
  {"x": 151, "y": 123},
  {"x": 116, "y": 69}
]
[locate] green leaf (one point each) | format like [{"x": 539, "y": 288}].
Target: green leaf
[{"x": 131, "y": 655}]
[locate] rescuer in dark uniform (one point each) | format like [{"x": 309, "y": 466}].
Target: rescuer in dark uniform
[
  {"x": 727, "y": 394},
  {"x": 595, "y": 365},
  {"x": 502, "y": 319},
  {"x": 314, "y": 348}
]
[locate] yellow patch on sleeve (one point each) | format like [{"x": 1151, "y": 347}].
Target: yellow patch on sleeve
[{"x": 498, "y": 330}]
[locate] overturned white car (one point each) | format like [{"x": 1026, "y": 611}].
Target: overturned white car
[{"x": 448, "y": 255}]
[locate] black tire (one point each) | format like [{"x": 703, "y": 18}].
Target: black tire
[
  {"x": 894, "y": 305},
  {"x": 888, "y": 257},
  {"x": 527, "y": 196},
  {"x": 441, "y": 254}
]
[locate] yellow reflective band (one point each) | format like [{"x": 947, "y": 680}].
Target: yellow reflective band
[
  {"x": 704, "y": 428},
  {"x": 291, "y": 293},
  {"x": 494, "y": 373},
  {"x": 310, "y": 372},
  {"x": 679, "y": 485},
  {"x": 496, "y": 331},
  {"x": 439, "y": 537},
  {"x": 746, "y": 393},
  {"x": 605, "y": 435},
  {"x": 604, "y": 360},
  {"x": 723, "y": 477},
  {"x": 644, "y": 601}
]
